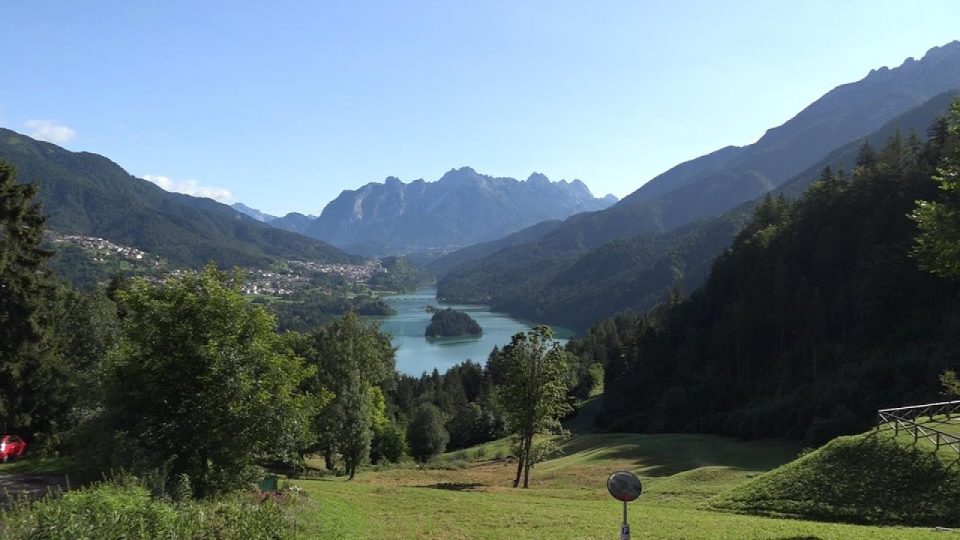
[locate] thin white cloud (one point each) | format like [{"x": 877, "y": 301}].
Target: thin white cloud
[
  {"x": 50, "y": 131},
  {"x": 190, "y": 187}
]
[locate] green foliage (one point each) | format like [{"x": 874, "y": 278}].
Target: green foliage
[
  {"x": 938, "y": 240},
  {"x": 872, "y": 478},
  {"x": 124, "y": 509},
  {"x": 951, "y": 384},
  {"x": 86, "y": 328},
  {"x": 426, "y": 433},
  {"x": 308, "y": 309},
  {"x": 400, "y": 276},
  {"x": 816, "y": 317},
  {"x": 534, "y": 393},
  {"x": 25, "y": 320},
  {"x": 471, "y": 425},
  {"x": 450, "y": 322},
  {"x": 465, "y": 395},
  {"x": 201, "y": 384},
  {"x": 352, "y": 358},
  {"x": 389, "y": 443}
]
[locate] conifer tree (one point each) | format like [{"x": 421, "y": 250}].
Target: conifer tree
[
  {"x": 25, "y": 288},
  {"x": 938, "y": 241}
]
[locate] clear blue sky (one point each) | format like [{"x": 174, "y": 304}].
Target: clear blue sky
[{"x": 285, "y": 104}]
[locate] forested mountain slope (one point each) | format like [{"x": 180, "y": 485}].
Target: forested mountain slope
[
  {"x": 460, "y": 257},
  {"x": 522, "y": 279},
  {"x": 817, "y": 316},
  {"x": 87, "y": 194}
]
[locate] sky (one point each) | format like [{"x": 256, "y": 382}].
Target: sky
[{"x": 281, "y": 105}]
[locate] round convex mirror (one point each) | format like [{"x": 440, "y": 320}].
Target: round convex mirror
[{"x": 624, "y": 486}]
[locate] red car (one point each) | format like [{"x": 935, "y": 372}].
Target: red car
[{"x": 11, "y": 447}]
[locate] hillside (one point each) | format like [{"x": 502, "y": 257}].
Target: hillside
[
  {"x": 637, "y": 273},
  {"x": 293, "y": 222},
  {"x": 869, "y": 478},
  {"x": 814, "y": 318},
  {"x": 464, "y": 494},
  {"x": 517, "y": 279},
  {"x": 460, "y": 257},
  {"x": 87, "y": 194},
  {"x": 461, "y": 208}
]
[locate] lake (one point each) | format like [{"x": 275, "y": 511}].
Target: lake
[{"x": 416, "y": 355}]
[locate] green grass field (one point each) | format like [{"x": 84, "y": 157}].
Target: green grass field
[{"x": 567, "y": 497}]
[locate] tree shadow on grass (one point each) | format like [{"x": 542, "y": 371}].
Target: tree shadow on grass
[{"x": 455, "y": 486}]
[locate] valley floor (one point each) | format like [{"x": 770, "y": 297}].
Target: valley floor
[{"x": 567, "y": 497}]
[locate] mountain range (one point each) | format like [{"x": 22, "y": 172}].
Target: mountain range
[
  {"x": 462, "y": 208},
  {"x": 627, "y": 256},
  {"x": 87, "y": 194}
]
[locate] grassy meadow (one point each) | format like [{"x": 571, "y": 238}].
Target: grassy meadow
[{"x": 468, "y": 495}]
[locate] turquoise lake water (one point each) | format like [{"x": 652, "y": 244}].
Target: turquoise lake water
[{"x": 415, "y": 354}]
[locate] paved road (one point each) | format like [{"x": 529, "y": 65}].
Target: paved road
[{"x": 16, "y": 485}]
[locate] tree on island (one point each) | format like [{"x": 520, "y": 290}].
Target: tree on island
[{"x": 450, "y": 322}]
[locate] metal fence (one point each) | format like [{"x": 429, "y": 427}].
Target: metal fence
[{"x": 908, "y": 419}]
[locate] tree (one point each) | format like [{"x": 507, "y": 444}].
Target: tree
[
  {"x": 25, "y": 292},
  {"x": 389, "y": 443},
  {"x": 352, "y": 357},
  {"x": 353, "y": 430},
  {"x": 938, "y": 240},
  {"x": 426, "y": 434},
  {"x": 534, "y": 394},
  {"x": 201, "y": 384}
]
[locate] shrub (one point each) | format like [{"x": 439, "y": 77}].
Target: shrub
[
  {"x": 124, "y": 508},
  {"x": 426, "y": 433}
]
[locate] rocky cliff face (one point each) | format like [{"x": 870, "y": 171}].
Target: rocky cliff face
[{"x": 461, "y": 208}]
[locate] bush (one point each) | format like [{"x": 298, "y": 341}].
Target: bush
[
  {"x": 426, "y": 433},
  {"x": 124, "y": 509},
  {"x": 389, "y": 444}
]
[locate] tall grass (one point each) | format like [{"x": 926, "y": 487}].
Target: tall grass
[{"x": 124, "y": 508}]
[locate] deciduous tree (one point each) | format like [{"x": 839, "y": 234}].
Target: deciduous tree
[
  {"x": 426, "y": 433},
  {"x": 534, "y": 392},
  {"x": 938, "y": 241},
  {"x": 202, "y": 384}
]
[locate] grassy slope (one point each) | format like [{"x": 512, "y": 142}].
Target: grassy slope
[
  {"x": 868, "y": 478},
  {"x": 567, "y": 499}
]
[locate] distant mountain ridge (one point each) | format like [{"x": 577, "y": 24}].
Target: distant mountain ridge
[
  {"x": 462, "y": 208},
  {"x": 87, "y": 194},
  {"x": 253, "y": 212},
  {"x": 723, "y": 179}
]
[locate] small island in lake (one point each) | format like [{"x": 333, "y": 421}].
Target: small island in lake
[{"x": 452, "y": 323}]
